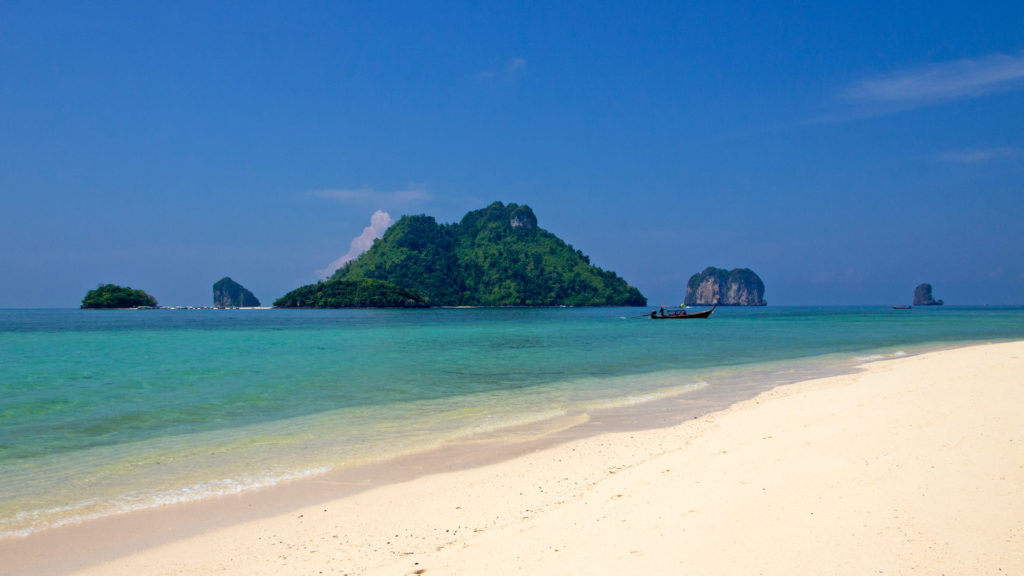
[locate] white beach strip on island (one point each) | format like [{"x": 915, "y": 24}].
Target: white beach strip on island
[{"x": 914, "y": 465}]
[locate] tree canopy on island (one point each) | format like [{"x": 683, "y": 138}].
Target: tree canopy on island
[
  {"x": 360, "y": 293},
  {"x": 114, "y": 296},
  {"x": 496, "y": 256}
]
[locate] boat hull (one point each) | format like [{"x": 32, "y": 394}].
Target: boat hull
[{"x": 694, "y": 315}]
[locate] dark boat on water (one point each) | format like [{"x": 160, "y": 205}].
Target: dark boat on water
[
  {"x": 901, "y": 307},
  {"x": 680, "y": 314}
]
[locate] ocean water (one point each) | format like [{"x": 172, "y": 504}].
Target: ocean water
[{"x": 103, "y": 412}]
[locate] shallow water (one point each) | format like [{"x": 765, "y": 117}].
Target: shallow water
[{"x": 108, "y": 411}]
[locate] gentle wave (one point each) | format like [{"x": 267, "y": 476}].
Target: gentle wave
[
  {"x": 33, "y": 521},
  {"x": 652, "y": 396},
  {"x": 876, "y": 357}
]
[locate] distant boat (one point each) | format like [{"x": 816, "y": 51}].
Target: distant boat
[
  {"x": 680, "y": 314},
  {"x": 902, "y": 307}
]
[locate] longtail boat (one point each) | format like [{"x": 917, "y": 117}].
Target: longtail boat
[
  {"x": 680, "y": 314},
  {"x": 901, "y": 307}
]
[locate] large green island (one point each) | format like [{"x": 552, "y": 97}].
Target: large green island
[{"x": 496, "y": 256}]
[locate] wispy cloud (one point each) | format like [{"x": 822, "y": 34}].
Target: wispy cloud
[
  {"x": 370, "y": 196},
  {"x": 977, "y": 156},
  {"x": 927, "y": 85},
  {"x": 379, "y": 223},
  {"x": 512, "y": 69},
  {"x": 515, "y": 65},
  {"x": 943, "y": 81}
]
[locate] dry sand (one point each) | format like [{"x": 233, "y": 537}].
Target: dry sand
[{"x": 914, "y": 465}]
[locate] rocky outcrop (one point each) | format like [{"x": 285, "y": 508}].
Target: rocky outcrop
[
  {"x": 923, "y": 296},
  {"x": 522, "y": 217},
  {"x": 737, "y": 287},
  {"x": 230, "y": 294}
]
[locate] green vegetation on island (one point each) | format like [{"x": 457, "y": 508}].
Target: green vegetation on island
[
  {"x": 113, "y": 296},
  {"x": 360, "y": 293},
  {"x": 496, "y": 256},
  {"x": 230, "y": 294}
]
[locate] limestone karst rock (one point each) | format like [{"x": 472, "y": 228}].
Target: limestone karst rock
[
  {"x": 230, "y": 294},
  {"x": 923, "y": 296},
  {"x": 716, "y": 286}
]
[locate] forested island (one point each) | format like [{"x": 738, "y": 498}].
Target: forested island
[
  {"x": 114, "y": 296},
  {"x": 496, "y": 256}
]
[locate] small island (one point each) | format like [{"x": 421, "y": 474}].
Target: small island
[
  {"x": 230, "y": 294},
  {"x": 361, "y": 293},
  {"x": 923, "y": 296},
  {"x": 112, "y": 296},
  {"x": 717, "y": 286}
]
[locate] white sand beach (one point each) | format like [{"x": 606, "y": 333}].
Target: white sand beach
[{"x": 914, "y": 465}]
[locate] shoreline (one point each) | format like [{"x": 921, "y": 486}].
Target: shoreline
[
  {"x": 728, "y": 385},
  {"x": 123, "y": 540},
  {"x": 91, "y": 541}
]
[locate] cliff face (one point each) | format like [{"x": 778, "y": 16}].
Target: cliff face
[
  {"x": 738, "y": 287},
  {"x": 923, "y": 296},
  {"x": 230, "y": 294}
]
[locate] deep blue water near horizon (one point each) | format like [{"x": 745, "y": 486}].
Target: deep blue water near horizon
[{"x": 107, "y": 411}]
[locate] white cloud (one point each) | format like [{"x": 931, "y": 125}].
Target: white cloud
[
  {"x": 982, "y": 155},
  {"x": 379, "y": 222},
  {"x": 371, "y": 196},
  {"x": 510, "y": 70},
  {"x": 944, "y": 81}
]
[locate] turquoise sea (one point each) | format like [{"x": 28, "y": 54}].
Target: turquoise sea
[{"x": 103, "y": 412}]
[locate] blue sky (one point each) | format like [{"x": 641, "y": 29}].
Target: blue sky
[{"x": 844, "y": 151}]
